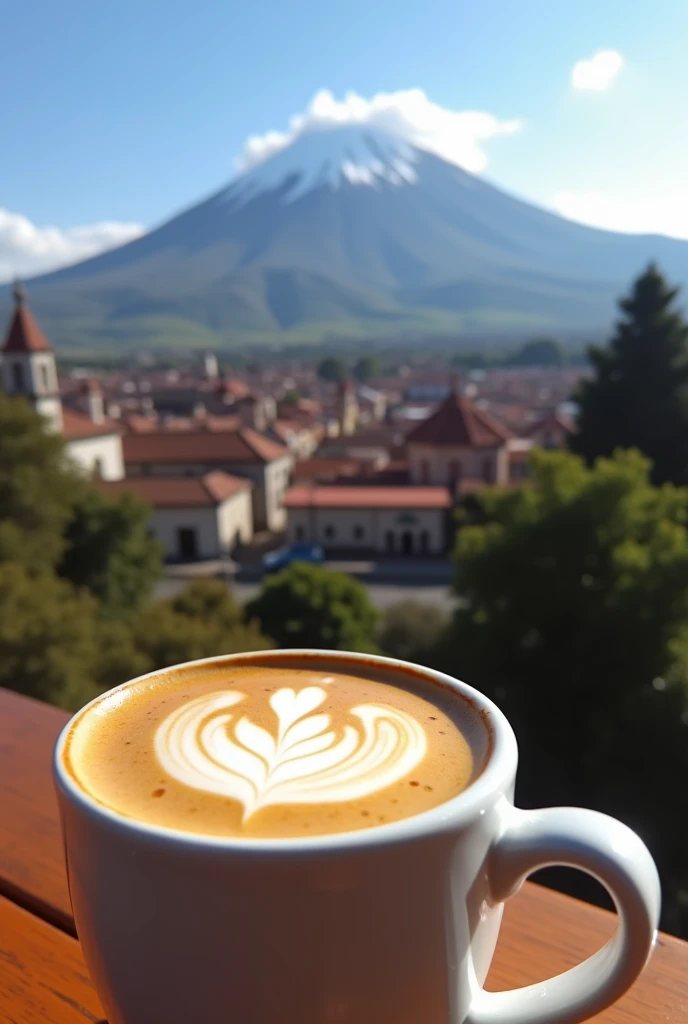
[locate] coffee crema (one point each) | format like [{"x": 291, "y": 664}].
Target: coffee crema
[{"x": 261, "y": 751}]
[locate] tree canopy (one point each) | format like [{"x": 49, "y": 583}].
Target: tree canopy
[
  {"x": 311, "y": 606},
  {"x": 366, "y": 367},
  {"x": 37, "y": 487},
  {"x": 638, "y": 395},
  {"x": 574, "y": 618},
  {"x": 539, "y": 352},
  {"x": 202, "y": 621},
  {"x": 48, "y": 637},
  {"x": 53, "y": 642},
  {"x": 332, "y": 368},
  {"x": 410, "y": 629},
  {"x": 108, "y": 549}
]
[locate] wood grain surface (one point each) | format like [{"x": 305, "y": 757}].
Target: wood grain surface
[
  {"x": 42, "y": 975},
  {"x": 31, "y": 863},
  {"x": 544, "y": 932}
]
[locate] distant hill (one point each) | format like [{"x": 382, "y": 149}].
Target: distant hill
[{"x": 348, "y": 233}]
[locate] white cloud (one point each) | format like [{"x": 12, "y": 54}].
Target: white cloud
[
  {"x": 660, "y": 214},
  {"x": 456, "y": 135},
  {"x": 26, "y": 248},
  {"x": 598, "y": 72}
]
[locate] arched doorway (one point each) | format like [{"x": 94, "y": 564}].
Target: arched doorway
[
  {"x": 407, "y": 542},
  {"x": 424, "y": 542}
]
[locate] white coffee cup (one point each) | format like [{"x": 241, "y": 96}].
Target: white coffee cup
[{"x": 395, "y": 924}]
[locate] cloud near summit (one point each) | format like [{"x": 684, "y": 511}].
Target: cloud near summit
[
  {"x": 456, "y": 135},
  {"x": 27, "y": 248}
]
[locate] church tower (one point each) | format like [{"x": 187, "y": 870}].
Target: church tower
[
  {"x": 28, "y": 364},
  {"x": 348, "y": 408}
]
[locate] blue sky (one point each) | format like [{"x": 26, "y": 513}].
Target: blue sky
[{"x": 117, "y": 113}]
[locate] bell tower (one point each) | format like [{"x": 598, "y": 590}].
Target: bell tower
[{"x": 28, "y": 363}]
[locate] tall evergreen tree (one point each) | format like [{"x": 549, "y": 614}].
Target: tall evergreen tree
[{"x": 638, "y": 396}]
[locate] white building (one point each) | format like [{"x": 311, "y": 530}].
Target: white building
[
  {"x": 391, "y": 520},
  {"x": 242, "y": 452},
  {"x": 459, "y": 446},
  {"x": 29, "y": 371},
  {"x": 194, "y": 517}
]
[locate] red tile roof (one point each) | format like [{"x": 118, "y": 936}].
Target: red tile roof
[
  {"x": 203, "y": 446},
  {"x": 137, "y": 423},
  {"x": 178, "y": 491},
  {"x": 457, "y": 421},
  {"x": 326, "y": 469},
  {"x": 265, "y": 448},
  {"x": 286, "y": 428},
  {"x": 236, "y": 388},
  {"x": 77, "y": 427},
  {"x": 553, "y": 421},
  {"x": 218, "y": 423},
  {"x": 367, "y": 497},
  {"x": 24, "y": 334}
]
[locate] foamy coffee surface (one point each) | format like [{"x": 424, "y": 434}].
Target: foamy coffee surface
[{"x": 258, "y": 751}]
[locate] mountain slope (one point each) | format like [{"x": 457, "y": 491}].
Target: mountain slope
[{"x": 356, "y": 233}]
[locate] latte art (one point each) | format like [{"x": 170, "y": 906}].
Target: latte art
[
  {"x": 205, "y": 745},
  {"x": 250, "y": 750}
]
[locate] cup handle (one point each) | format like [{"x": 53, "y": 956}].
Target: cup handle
[{"x": 614, "y": 855}]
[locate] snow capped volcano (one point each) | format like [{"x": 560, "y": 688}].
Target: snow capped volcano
[
  {"x": 351, "y": 231},
  {"x": 331, "y": 158}
]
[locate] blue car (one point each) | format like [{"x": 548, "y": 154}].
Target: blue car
[{"x": 280, "y": 559}]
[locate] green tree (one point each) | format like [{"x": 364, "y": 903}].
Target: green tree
[
  {"x": 108, "y": 550},
  {"x": 638, "y": 395},
  {"x": 410, "y": 629},
  {"x": 37, "y": 486},
  {"x": 367, "y": 367},
  {"x": 333, "y": 369},
  {"x": 540, "y": 352},
  {"x": 48, "y": 641},
  {"x": 310, "y": 606},
  {"x": 200, "y": 622},
  {"x": 574, "y": 618},
  {"x": 118, "y": 658}
]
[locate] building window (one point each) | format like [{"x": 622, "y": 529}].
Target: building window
[
  {"x": 424, "y": 471},
  {"x": 329, "y": 532},
  {"x": 17, "y": 377},
  {"x": 300, "y": 533},
  {"x": 359, "y": 532},
  {"x": 487, "y": 469},
  {"x": 389, "y": 542},
  {"x": 45, "y": 377},
  {"x": 424, "y": 542},
  {"x": 98, "y": 468}
]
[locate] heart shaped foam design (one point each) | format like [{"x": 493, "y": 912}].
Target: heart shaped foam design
[{"x": 304, "y": 761}]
